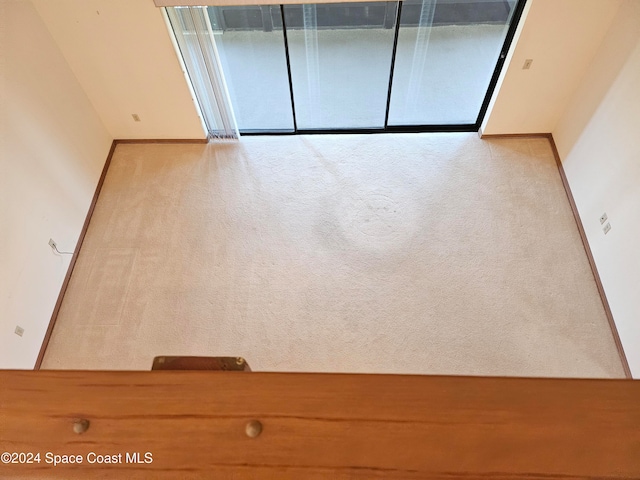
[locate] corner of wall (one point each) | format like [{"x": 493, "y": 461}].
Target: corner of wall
[
  {"x": 52, "y": 149},
  {"x": 561, "y": 44},
  {"x": 599, "y": 148},
  {"x": 122, "y": 55}
]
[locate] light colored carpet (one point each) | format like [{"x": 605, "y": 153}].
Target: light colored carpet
[{"x": 411, "y": 253}]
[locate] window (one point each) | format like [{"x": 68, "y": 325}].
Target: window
[{"x": 415, "y": 65}]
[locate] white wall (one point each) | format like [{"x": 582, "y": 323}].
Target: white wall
[
  {"x": 598, "y": 140},
  {"x": 561, "y": 37},
  {"x": 123, "y": 57},
  {"x": 52, "y": 150}
]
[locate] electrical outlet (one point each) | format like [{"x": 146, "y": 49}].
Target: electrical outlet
[
  {"x": 19, "y": 330},
  {"x": 527, "y": 64},
  {"x": 603, "y": 218},
  {"x": 136, "y": 117},
  {"x": 53, "y": 244},
  {"x": 606, "y": 228}
]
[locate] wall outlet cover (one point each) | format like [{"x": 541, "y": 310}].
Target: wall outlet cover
[
  {"x": 606, "y": 228},
  {"x": 19, "y": 330},
  {"x": 603, "y": 218}
]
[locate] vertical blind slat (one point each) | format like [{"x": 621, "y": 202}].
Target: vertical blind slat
[{"x": 195, "y": 40}]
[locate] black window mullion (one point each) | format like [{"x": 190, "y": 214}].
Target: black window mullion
[
  {"x": 393, "y": 63},
  {"x": 515, "y": 20},
  {"x": 286, "y": 52}
]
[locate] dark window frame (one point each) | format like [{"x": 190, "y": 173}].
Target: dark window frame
[{"x": 471, "y": 127}]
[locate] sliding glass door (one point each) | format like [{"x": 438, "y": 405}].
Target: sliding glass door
[
  {"x": 445, "y": 58},
  {"x": 415, "y": 65},
  {"x": 253, "y": 56},
  {"x": 340, "y": 61}
]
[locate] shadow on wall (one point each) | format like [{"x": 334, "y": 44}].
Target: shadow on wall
[{"x": 609, "y": 62}]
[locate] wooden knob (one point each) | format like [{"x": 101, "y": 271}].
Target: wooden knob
[
  {"x": 81, "y": 426},
  {"x": 253, "y": 428}
]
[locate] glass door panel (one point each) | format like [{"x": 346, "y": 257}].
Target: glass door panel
[
  {"x": 446, "y": 55},
  {"x": 340, "y": 56},
  {"x": 250, "y": 44}
]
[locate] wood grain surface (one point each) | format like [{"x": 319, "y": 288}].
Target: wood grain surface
[
  {"x": 321, "y": 426},
  {"x": 226, "y": 364}
]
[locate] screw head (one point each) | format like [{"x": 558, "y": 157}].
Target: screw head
[
  {"x": 80, "y": 426},
  {"x": 239, "y": 360},
  {"x": 253, "y": 429}
]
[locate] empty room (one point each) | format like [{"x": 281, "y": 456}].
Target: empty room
[{"x": 438, "y": 187}]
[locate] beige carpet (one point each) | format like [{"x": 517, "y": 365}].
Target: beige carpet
[{"x": 413, "y": 253}]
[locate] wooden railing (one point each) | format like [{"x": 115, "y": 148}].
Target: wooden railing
[{"x": 234, "y": 425}]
